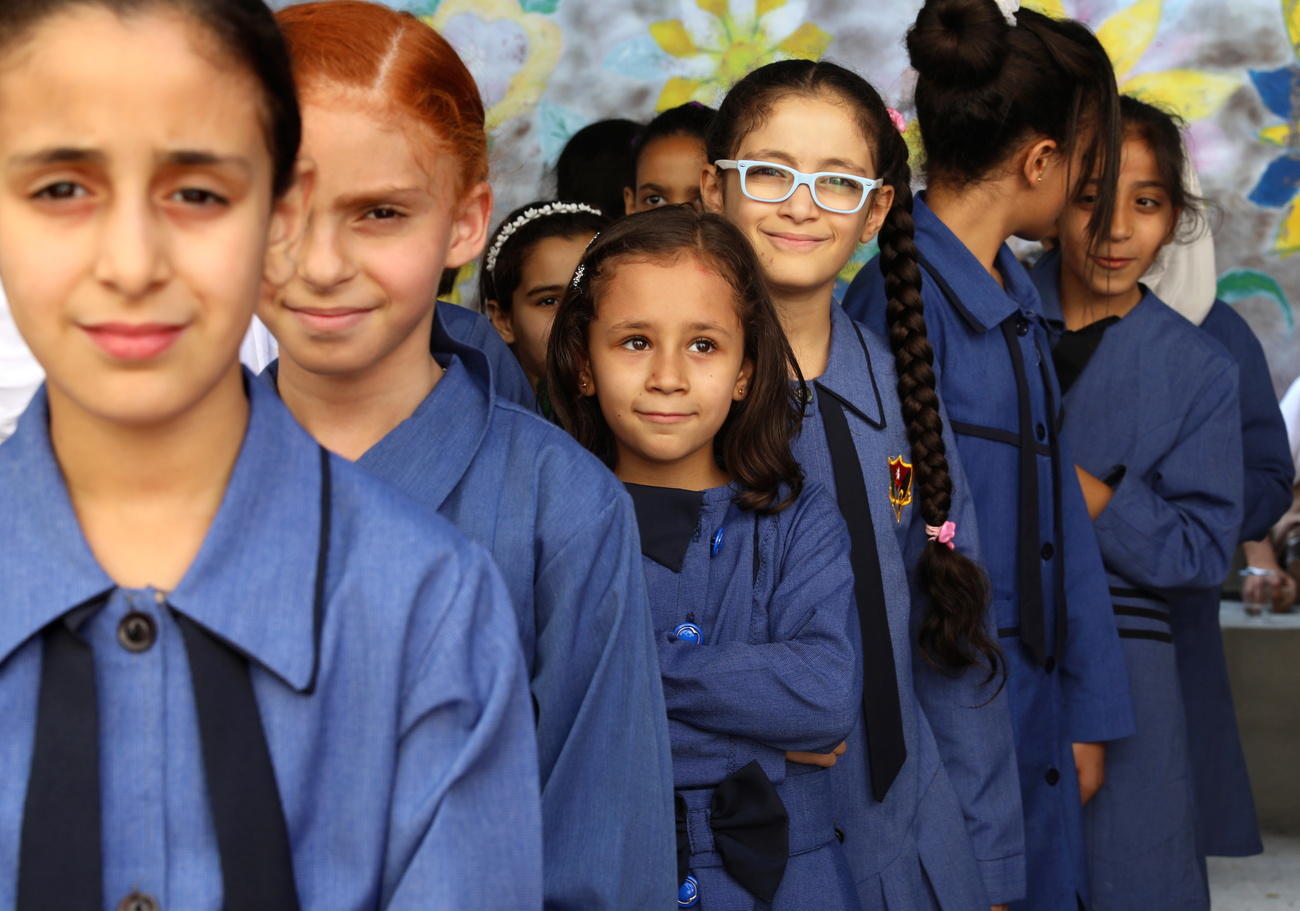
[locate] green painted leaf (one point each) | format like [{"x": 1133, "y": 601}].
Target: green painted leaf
[
  {"x": 546, "y": 7},
  {"x": 1240, "y": 284}
]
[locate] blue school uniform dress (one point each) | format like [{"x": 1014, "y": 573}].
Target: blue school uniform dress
[
  {"x": 930, "y": 813},
  {"x": 1226, "y": 820},
  {"x": 754, "y": 621},
  {"x": 1171, "y": 449},
  {"x": 394, "y": 762},
  {"x": 1226, "y": 823},
  {"x": 562, "y": 530},
  {"x": 475, "y": 330},
  {"x": 1065, "y": 673}
]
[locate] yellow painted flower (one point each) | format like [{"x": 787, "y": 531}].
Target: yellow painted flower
[
  {"x": 1127, "y": 35},
  {"x": 722, "y": 40},
  {"x": 511, "y": 52}
]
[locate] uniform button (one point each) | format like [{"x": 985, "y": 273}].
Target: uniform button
[
  {"x": 1050, "y": 664},
  {"x": 1053, "y": 777},
  {"x": 1040, "y": 431},
  {"x": 688, "y": 893},
  {"x": 1048, "y": 550},
  {"x": 688, "y": 632},
  {"x": 804, "y": 394},
  {"x": 137, "y": 633},
  {"x": 1022, "y": 326},
  {"x": 138, "y": 901}
]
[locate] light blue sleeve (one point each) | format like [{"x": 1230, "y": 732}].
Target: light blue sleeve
[
  {"x": 465, "y": 822},
  {"x": 1176, "y": 527},
  {"x": 803, "y": 689},
  {"x": 1094, "y": 675},
  {"x": 971, "y": 721},
  {"x": 612, "y": 764},
  {"x": 472, "y": 328}
]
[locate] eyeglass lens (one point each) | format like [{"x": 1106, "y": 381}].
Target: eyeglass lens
[{"x": 829, "y": 191}]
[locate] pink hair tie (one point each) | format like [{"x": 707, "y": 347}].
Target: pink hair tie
[
  {"x": 943, "y": 534},
  {"x": 897, "y": 120}
]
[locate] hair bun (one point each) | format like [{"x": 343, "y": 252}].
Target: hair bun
[{"x": 959, "y": 42}]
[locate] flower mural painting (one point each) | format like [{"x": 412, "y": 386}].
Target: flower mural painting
[
  {"x": 712, "y": 43},
  {"x": 1279, "y": 185},
  {"x": 511, "y": 47}
]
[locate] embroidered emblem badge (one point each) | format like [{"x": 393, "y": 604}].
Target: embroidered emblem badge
[{"x": 900, "y": 486}]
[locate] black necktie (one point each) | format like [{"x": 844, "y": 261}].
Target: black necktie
[
  {"x": 60, "y": 858},
  {"x": 1032, "y": 628},
  {"x": 884, "y": 718}
]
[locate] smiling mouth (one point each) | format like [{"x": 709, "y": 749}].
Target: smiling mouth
[
  {"x": 664, "y": 417},
  {"x": 134, "y": 342},
  {"x": 794, "y": 241},
  {"x": 329, "y": 319},
  {"x": 1112, "y": 263}
]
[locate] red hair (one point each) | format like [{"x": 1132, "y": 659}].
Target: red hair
[{"x": 353, "y": 44}]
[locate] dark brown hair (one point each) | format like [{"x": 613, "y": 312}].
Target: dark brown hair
[
  {"x": 953, "y": 632},
  {"x": 1163, "y": 133},
  {"x": 501, "y": 281},
  {"x": 754, "y": 442},
  {"x": 243, "y": 29},
  {"x": 985, "y": 86}
]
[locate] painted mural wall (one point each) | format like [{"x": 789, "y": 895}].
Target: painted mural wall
[{"x": 1230, "y": 68}]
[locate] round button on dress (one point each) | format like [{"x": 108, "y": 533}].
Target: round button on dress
[
  {"x": 137, "y": 632},
  {"x": 688, "y": 632}
]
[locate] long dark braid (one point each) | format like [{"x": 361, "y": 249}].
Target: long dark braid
[
  {"x": 953, "y": 632},
  {"x": 953, "y": 635}
]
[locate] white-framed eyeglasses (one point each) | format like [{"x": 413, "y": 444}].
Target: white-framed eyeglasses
[{"x": 767, "y": 181}]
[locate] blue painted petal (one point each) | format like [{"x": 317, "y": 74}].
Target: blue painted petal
[
  {"x": 555, "y": 125},
  {"x": 1279, "y": 183},
  {"x": 640, "y": 58},
  {"x": 1276, "y": 88}
]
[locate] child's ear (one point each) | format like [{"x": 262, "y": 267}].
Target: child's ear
[
  {"x": 586, "y": 382},
  {"x": 711, "y": 189},
  {"x": 882, "y": 200},
  {"x": 501, "y": 321},
  {"x": 629, "y": 200},
  {"x": 469, "y": 229},
  {"x": 742, "y": 381},
  {"x": 288, "y": 226},
  {"x": 1040, "y": 157}
]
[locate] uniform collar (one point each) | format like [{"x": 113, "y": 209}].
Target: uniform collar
[
  {"x": 982, "y": 302},
  {"x": 849, "y": 375},
  {"x": 1046, "y": 276},
  {"x": 431, "y": 450},
  {"x": 269, "y": 518},
  {"x": 666, "y": 519}
]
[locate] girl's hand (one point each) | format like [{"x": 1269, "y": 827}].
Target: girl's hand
[
  {"x": 825, "y": 760},
  {"x": 997, "y": 908},
  {"x": 1096, "y": 492},
  {"x": 1090, "y": 765}
]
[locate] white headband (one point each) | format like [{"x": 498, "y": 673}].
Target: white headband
[{"x": 530, "y": 215}]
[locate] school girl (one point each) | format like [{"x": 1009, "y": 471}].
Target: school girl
[
  {"x": 1184, "y": 277},
  {"x": 400, "y": 194},
  {"x": 806, "y": 162},
  {"x": 527, "y": 266},
  {"x": 1179, "y": 490},
  {"x": 688, "y": 399},
  {"x": 235, "y": 672},
  {"x": 1161, "y": 466},
  {"x": 667, "y": 159},
  {"x": 1008, "y": 106}
]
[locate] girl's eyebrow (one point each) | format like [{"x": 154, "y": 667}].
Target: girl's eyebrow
[
  {"x": 826, "y": 164},
  {"x": 186, "y": 158},
  {"x": 377, "y": 197},
  {"x": 540, "y": 288}
]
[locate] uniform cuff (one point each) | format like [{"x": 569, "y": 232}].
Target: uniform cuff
[{"x": 1004, "y": 878}]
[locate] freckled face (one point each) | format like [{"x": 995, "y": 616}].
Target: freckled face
[
  {"x": 136, "y": 209},
  {"x": 547, "y": 271},
  {"x": 1143, "y": 223},
  {"x": 667, "y": 174},
  {"x": 666, "y": 367}
]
